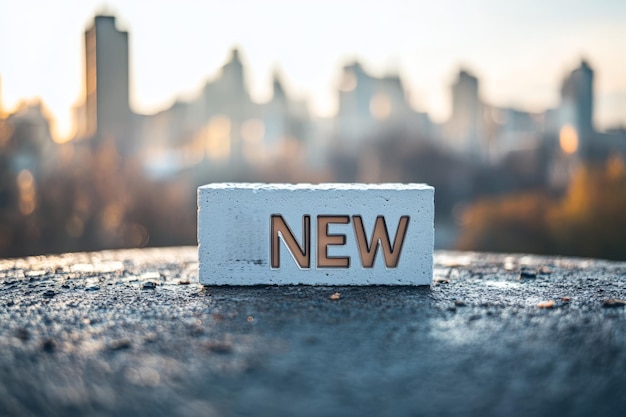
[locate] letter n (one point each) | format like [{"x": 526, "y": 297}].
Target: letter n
[{"x": 279, "y": 229}]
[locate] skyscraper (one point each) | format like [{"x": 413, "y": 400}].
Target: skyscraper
[
  {"x": 106, "y": 110},
  {"x": 1, "y": 112},
  {"x": 577, "y": 99},
  {"x": 369, "y": 104},
  {"x": 465, "y": 127}
]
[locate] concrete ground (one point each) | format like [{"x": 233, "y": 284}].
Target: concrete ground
[{"x": 133, "y": 333}]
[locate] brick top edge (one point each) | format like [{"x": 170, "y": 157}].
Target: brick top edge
[{"x": 323, "y": 186}]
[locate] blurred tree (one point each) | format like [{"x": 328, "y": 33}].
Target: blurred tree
[
  {"x": 514, "y": 223},
  {"x": 589, "y": 220}
]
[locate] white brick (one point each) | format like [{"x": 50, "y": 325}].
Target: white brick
[{"x": 235, "y": 239}]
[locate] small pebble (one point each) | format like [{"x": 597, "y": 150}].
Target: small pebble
[
  {"x": 151, "y": 337},
  {"x": 459, "y": 303},
  {"x": 546, "y": 304},
  {"x": 22, "y": 334},
  {"x": 92, "y": 288},
  {"x": 525, "y": 274},
  {"x": 335, "y": 296},
  {"x": 149, "y": 285},
  {"x": 613, "y": 302},
  {"x": 119, "y": 344},
  {"x": 49, "y": 293},
  {"x": 220, "y": 347},
  {"x": 565, "y": 299},
  {"x": 48, "y": 345}
]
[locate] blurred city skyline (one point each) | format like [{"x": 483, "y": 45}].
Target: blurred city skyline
[
  {"x": 519, "y": 52},
  {"x": 544, "y": 179}
]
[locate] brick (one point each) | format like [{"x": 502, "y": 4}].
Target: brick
[{"x": 326, "y": 234}]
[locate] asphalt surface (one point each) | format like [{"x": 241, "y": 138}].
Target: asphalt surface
[{"x": 132, "y": 333}]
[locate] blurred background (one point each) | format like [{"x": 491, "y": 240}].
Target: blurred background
[{"x": 112, "y": 114}]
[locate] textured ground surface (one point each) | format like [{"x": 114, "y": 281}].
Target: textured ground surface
[{"x": 132, "y": 333}]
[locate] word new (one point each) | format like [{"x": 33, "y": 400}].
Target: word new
[{"x": 301, "y": 252}]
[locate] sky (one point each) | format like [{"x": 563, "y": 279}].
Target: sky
[{"x": 520, "y": 50}]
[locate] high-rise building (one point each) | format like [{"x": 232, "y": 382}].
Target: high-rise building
[
  {"x": 1, "y": 111},
  {"x": 577, "y": 100},
  {"x": 465, "y": 128},
  {"x": 369, "y": 105},
  {"x": 355, "y": 92},
  {"x": 106, "y": 110}
]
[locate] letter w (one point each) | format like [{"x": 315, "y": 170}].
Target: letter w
[{"x": 368, "y": 251}]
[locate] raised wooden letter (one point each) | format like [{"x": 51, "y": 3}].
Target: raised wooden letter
[
  {"x": 302, "y": 256},
  {"x": 368, "y": 251},
  {"x": 324, "y": 240}
]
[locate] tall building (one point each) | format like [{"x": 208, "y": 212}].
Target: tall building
[
  {"x": 226, "y": 104},
  {"x": 106, "y": 111},
  {"x": 370, "y": 106},
  {"x": 355, "y": 92},
  {"x": 276, "y": 116},
  {"x": 465, "y": 127},
  {"x": 285, "y": 120},
  {"x": 1, "y": 111},
  {"x": 577, "y": 100}
]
